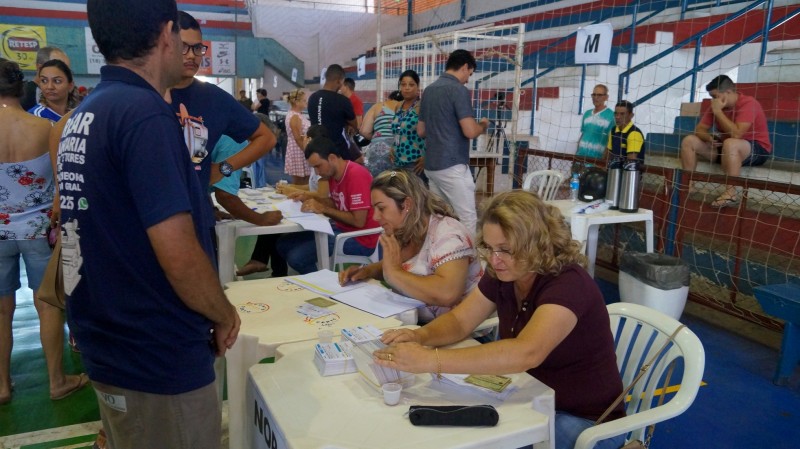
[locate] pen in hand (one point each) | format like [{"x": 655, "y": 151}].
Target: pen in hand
[{"x": 350, "y": 274}]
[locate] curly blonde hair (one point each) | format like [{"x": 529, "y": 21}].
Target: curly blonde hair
[
  {"x": 539, "y": 239},
  {"x": 401, "y": 184}
]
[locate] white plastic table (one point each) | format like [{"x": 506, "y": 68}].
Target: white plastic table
[
  {"x": 267, "y": 308},
  {"x": 293, "y": 406},
  {"x": 585, "y": 228},
  {"x": 228, "y": 231}
]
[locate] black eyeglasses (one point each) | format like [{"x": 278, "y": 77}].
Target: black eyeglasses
[
  {"x": 197, "y": 49},
  {"x": 594, "y": 95}
]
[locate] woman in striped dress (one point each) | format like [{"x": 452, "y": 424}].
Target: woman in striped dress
[{"x": 377, "y": 125}]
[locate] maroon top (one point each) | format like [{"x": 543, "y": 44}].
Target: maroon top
[{"x": 582, "y": 369}]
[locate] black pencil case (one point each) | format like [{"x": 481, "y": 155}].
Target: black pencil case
[{"x": 453, "y": 415}]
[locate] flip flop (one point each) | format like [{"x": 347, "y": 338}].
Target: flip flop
[
  {"x": 83, "y": 380},
  {"x": 252, "y": 267},
  {"x": 720, "y": 203}
]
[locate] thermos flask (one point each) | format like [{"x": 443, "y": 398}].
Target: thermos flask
[
  {"x": 629, "y": 186},
  {"x": 613, "y": 183}
]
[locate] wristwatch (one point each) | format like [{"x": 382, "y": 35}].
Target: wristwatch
[{"x": 225, "y": 168}]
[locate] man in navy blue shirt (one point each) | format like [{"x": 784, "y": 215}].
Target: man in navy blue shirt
[
  {"x": 216, "y": 109},
  {"x": 143, "y": 298}
]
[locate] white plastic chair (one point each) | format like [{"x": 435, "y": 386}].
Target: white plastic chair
[
  {"x": 639, "y": 332},
  {"x": 340, "y": 258},
  {"x": 546, "y": 183}
]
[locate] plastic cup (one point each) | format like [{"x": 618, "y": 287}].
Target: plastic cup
[
  {"x": 391, "y": 393},
  {"x": 325, "y": 336}
]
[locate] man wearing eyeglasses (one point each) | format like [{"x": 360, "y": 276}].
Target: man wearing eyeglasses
[
  {"x": 596, "y": 125},
  {"x": 212, "y": 108}
]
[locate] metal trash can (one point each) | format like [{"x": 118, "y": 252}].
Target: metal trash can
[{"x": 654, "y": 280}]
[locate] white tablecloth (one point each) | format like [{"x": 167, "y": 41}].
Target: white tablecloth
[
  {"x": 267, "y": 308},
  {"x": 292, "y": 406}
]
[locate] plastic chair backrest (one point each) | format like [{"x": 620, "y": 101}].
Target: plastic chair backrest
[
  {"x": 639, "y": 332},
  {"x": 544, "y": 182},
  {"x": 340, "y": 258}
]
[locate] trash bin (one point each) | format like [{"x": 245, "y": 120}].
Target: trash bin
[{"x": 654, "y": 280}]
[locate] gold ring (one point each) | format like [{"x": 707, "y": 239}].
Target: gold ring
[{"x": 390, "y": 357}]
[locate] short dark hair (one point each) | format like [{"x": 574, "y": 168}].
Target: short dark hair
[
  {"x": 262, "y": 92},
  {"x": 350, "y": 83},
  {"x": 12, "y": 81},
  {"x": 458, "y": 58},
  {"x": 722, "y": 83},
  {"x": 411, "y": 74},
  {"x": 625, "y": 104},
  {"x": 45, "y": 54},
  {"x": 316, "y": 131},
  {"x": 334, "y": 72},
  {"x": 60, "y": 65},
  {"x": 322, "y": 146},
  {"x": 187, "y": 21},
  {"x": 129, "y": 29}
]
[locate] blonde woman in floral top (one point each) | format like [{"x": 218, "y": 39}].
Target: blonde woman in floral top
[{"x": 427, "y": 253}]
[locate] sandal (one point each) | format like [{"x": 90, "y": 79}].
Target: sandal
[
  {"x": 83, "y": 379},
  {"x": 721, "y": 202},
  {"x": 251, "y": 267}
]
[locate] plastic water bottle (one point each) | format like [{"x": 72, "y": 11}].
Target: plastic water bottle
[{"x": 574, "y": 185}]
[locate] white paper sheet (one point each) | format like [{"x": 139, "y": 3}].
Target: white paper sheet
[
  {"x": 377, "y": 300},
  {"x": 324, "y": 282},
  {"x": 291, "y": 209},
  {"x": 315, "y": 223}
]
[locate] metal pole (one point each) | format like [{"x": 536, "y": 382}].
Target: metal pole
[
  {"x": 533, "y": 92},
  {"x": 765, "y": 36},
  {"x": 409, "y": 16},
  {"x": 632, "y": 40},
  {"x": 694, "y": 72},
  {"x": 379, "y": 54},
  {"x": 583, "y": 86}
]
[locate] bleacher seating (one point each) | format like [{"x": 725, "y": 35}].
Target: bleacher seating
[{"x": 781, "y": 107}]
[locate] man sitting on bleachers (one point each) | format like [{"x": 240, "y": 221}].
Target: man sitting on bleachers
[{"x": 740, "y": 139}]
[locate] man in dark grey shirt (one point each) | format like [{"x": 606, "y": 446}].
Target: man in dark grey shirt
[{"x": 446, "y": 121}]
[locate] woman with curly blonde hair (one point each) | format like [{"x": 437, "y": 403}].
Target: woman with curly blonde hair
[
  {"x": 427, "y": 253},
  {"x": 553, "y": 320}
]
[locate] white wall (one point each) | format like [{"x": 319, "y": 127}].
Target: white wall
[{"x": 322, "y": 36}]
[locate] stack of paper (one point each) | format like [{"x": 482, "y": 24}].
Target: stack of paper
[
  {"x": 370, "y": 298},
  {"x": 324, "y": 282},
  {"x": 362, "y": 334},
  {"x": 366, "y": 340},
  {"x": 334, "y": 358}
]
